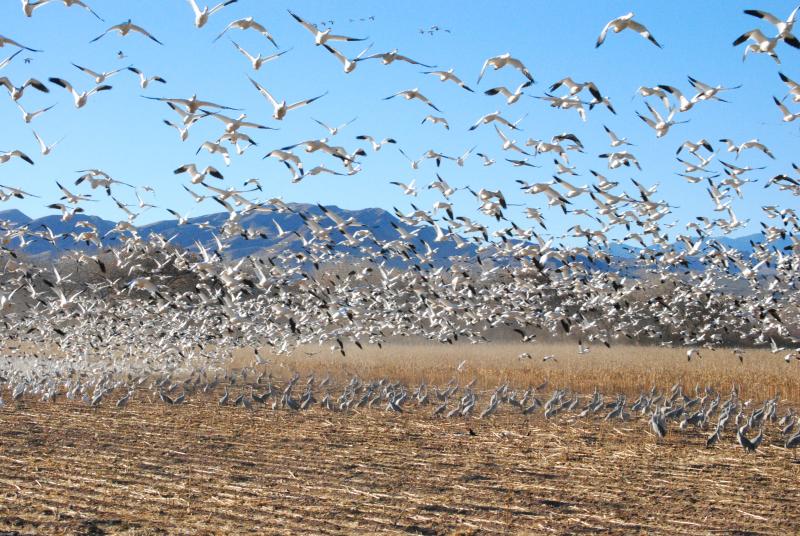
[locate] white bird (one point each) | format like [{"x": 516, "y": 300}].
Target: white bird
[
  {"x": 784, "y": 27},
  {"x": 616, "y": 141},
  {"x": 333, "y": 131},
  {"x": 7, "y": 61},
  {"x": 213, "y": 148},
  {"x": 81, "y": 3},
  {"x": 6, "y": 156},
  {"x": 80, "y": 98},
  {"x": 17, "y": 92},
  {"x": 183, "y": 131},
  {"x": 436, "y": 121},
  {"x": 124, "y": 29},
  {"x": 750, "y": 144},
  {"x": 29, "y": 6},
  {"x": 387, "y": 58},
  {"x": 201, "y": 15},
  {"x": 626, "y": 22},
  {"x": 794, "y": 87},
  {"x": 248, "y": 23},
  {"x": 448, "y": 75},
  {"x": 322, "y": 37},
  {"x": 511, "y": 98},
  {"x": 408, "y": 189},
  {"x": 197, "y": 177},
  {"x": 8, "y": 41},
  {"x": 46, "y": 149},
  {"x": 257, "y": 61},
  {"x": 409, "y": 94},
  {"x": 281, "y": 108},
  {"x": 495, "y": 116},
  {"x": 348, "y": 65},
  {"x": 504, "y": 60},
  {"x": 30, "y": 116},
  {"x": 144, "y": 81},
  {"x": 99, "y": 78},
  {"x": 787, "y": 115},
  {"x": 658, "y": 123},
  {"x": 376, "y": 145}
]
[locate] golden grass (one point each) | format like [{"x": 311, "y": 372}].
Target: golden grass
[{"x": 619, "y": 369}]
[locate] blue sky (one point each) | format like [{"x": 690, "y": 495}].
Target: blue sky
[{"x": 123, "y": 134}]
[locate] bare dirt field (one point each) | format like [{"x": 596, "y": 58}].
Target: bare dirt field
[{"x": 203, "y": 469}]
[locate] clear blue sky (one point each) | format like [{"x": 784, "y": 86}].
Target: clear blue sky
[{"x": 122, "y": 133}]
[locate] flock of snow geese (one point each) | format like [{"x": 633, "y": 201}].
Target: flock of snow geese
[{"x": 124, "y": 311}]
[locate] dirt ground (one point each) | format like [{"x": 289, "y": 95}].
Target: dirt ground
[{"x": 66, "y": 468}]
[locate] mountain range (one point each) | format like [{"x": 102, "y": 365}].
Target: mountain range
[{"x": 381, "y": 223}]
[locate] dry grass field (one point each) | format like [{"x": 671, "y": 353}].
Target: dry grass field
[{"x": 66, "y": 468}]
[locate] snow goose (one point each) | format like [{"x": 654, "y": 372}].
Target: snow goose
[
  {"x": 124, "y": 29},
  {"x": 281, "y": 108},
  {"x": 248, "y": 23},
  {"x": 505, "y": 60},
  {"x": 626, "y": 22},
  {"x": 80, "y": 98},
  {"x": 201, "y": 15},
  {"x": 259, "y": 60},
  {"x": 448, "y": 75},
  {"x": 323, "y": 36}
]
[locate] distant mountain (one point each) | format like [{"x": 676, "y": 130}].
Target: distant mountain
[
  {"x": 262, "y": 226},
  {"x": 266, "y": 240}
]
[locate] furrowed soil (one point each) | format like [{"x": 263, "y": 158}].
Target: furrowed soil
[{"x": 198, "y": 468}]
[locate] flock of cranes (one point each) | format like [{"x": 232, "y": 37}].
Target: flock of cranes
[{"x": 124, "y": 309}]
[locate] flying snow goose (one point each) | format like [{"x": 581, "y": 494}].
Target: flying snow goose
[
  {"x": 511, "y": 98},
  {"x": 504, "y": 60},
  {"x": 124, "y": 29},
  {"x": 787, "y": 115},
  {"x": 5, "y": 157},
  {"x": 81, "y": 3},
  {"x": 248, "y": 23},
  {"x": 29, "y": 6},
  {"x": 448, "y": 75},
  {"x": 409, "y": 94},
  {"x": 281, "y": 108},
  {"x": 436, "y": 121},
  {"x": 191, "y": 104},
  {"x": 198, "y": 176},
  {"x": 17, "y": 92},
  {"x": 7, "y": 41},
  {"x": 392, "y": 56},
  {"x": 99, "y": 78},
  {"x": 7, "y": 61},
  {"x": 259, "y": 60},
  {"x": 144, "y": 81},
  {"x": 322, "y": 37},
  {"x": 348, "y": 65},
  {"x": 46, "y": 149},
  {"x": 80, "y": 98},
  {"x": 626, "y": 22},
  {"x": 761, "y": 44},
  {"x": 784, "y": 27},
  {"x": 333, "y": 131},
  {"x": 658, "y": 123},
  {"x": 30, "y": 116},
  {"x": 794, "y": 87},
  {"x": 616, "y": 141},
  {"x": 201, "y": 15},
  {"x": 217, "y": 148},
  {"x": 707, "y": 92},
  {"x": 408, "y": 189},
  {"x": 495, "y": 116},
  {"x": 376, "y": 145}
]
